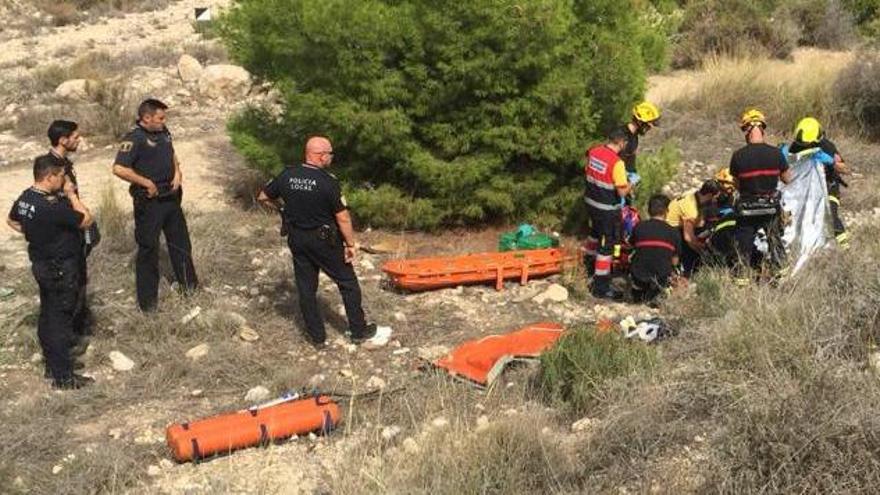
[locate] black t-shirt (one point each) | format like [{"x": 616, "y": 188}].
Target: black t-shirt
[
  {"x": 50, "y": 225},
  {"x": 150, "y": 154},
  {"x": 655, "y": 243},
  {"x": 757, "y": 167},
  {"x": 628, "y": 153},
  {"x": 312, "y": 197}
]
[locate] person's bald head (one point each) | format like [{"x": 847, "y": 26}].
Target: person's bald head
[{"x": 319, "y": 151}]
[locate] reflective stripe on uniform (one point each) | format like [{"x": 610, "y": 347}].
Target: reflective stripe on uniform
[
  {"x": 725, "y": 225},
  {"x": 603, "y": 265},
  {"x": 657, "y": 244},
  {"x": 598, "y": 183},
  {"x": 764, "y": 172},
  {"x": 834, "y": 200},
  {"x": 601, "y": 206}
]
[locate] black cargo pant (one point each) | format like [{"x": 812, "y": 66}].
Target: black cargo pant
[
  {"x": 314, "y": 252},
  {"x": 644, "y": 291},
  {"x": 834, "y": 201},
  {"x": 605, "y": 229},
  {"x": 745, "y": 233},
  {"x": 165, "y": 216},
  {"x": 59, "y": 293}
]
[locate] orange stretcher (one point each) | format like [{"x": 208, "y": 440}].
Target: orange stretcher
[
  {"x": 450, "y": 271},
  {"x": 258, "y": 426},
  {"x": 481, "y": 361}
]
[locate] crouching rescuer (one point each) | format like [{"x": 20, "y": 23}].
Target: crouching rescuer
[
  {"x": 657, "y": 247},
  {"x": 320, "y": 237},
  {"x": 606, "y": 186}
]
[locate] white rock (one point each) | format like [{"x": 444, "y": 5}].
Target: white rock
[
  {"x": 440, "y": 422},
  {"x": 189, "y": 69},
  {"x": 198, "y": 352},
  {"x": 482, "y": 422},
  {"x": 400, "y": 316},
  {"x": 430, "y": 353},
  {"x": 74, "y": 89},
  {"x": 196, "y": 311},
  {"x": 410, "y": 446},
  {"x": 554, "y": 293},
  {"x": 224, "y": 81},
  {"x": 390, "y": 432},
  {"x": 166, "y": 464},
  {"x": 257, "y": 394},
  {"x": 583, "y": 424},
  {"x": 57, "y": 468},
  {"x": 120, "y": 362},
  {"x": 248, "y": 334},
  {"x": 36, "y": 358},
  {"x": 375, "y": 383},
  {"x": 346, "y": 373},
  {"x": 153, "y": 471},
  {"x": 115, "y": 433}
]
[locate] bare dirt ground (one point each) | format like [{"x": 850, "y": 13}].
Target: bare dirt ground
[{"x": 109, "y": 438}]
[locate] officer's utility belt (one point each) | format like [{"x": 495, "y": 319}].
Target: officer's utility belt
[
  {"x": 758, "y": 206},
  {"x": 165, "y": 192},
  {"x": 327, "y": 233}
]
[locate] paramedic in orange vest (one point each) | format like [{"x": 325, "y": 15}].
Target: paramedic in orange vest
[{"x": 606, "y": 186}]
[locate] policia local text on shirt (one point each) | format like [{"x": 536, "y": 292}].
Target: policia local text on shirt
[
  {"x": 53, "y": 229},
  {"x": 320, "y": 237},
  {"x": 146, "y": 159}
]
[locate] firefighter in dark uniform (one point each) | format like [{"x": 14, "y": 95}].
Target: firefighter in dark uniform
[
  {"x": 645, "y": 116},
  {"x": 756, "y": 169},
  {"x": 64, "y": 138},
  {"x": 809, "y": 134},
  {"x": 320, "y": 237},
  {"x": 53, "y": 228},
  {"x": 146, "y": 160},
  {"x": 606, "y": 186},
  {"x": 657, "y": 248}
]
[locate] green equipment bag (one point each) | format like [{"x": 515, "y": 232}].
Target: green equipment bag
[{"x": 526, "y": 237}]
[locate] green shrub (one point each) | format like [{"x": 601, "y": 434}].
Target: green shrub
[
  {"x": 474, "y": 111},
  {"x": 574, "y": 371},
  {"x": 822, "y": 23},
  {"x": 656, "y": 169}
]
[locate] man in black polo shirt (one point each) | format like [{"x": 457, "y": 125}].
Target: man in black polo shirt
[
  {"x": 321, "y": 238},
  {"x": 757, "y": 169},
  {"x": 53, "y": 229},
  {"x": 657, "y": 248},
  {"x": 146, "y": 159},
  {"x": 64, "y": 137}
]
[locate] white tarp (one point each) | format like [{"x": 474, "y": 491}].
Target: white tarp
[{"x": 805, "y": 200}]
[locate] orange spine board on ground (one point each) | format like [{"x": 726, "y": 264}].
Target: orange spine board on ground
[
  {"x": 450, "y": 271},
  {"x": 232, "y": 431},
  {"x": 481, "y": 361}
]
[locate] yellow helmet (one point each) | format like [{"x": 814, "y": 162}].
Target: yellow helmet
[
  {"x": 808, "y": 131},
  {"x": 751, "y": 118},
  {"x": 725, "y": 179},
  {"x": 646, "y": 112}
]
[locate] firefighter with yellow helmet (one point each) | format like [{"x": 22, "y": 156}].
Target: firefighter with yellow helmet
[
  {"x": 645, "y": 116},
  {"x": 756, "y": 169},
  {"x": 809, "y": 134}
]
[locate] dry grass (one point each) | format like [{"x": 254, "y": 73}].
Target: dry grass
[
  {"x": 785, "y": 91},
  {"x": 64, "y": 12}
]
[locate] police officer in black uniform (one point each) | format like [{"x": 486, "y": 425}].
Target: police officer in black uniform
[
  {"x": 146, "y": 159},
  {"x": 320, "y": 236},
  {"x": 53, "y": 228},
  {"x": 64, "y": 137}
]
